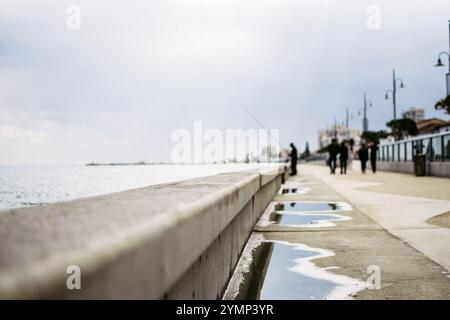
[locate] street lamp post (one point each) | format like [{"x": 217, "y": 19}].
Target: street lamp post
[
  {"x": 394, "y": 92},
  {"x": 335, "y": 128},
  {"x": 367, "y": 103},
  {"x": 348, "y": 116},
  {"x": 365, "y": 121},
  {"x": 440, "y": 64}
]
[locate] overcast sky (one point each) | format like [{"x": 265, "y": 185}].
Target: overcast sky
[{"x": 135, "y": 71}]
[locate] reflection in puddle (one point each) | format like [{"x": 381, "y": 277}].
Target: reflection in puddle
[
  {"x": 283, "y": 270},
  {"x": 308, "y": 206},
  {"x": 304, "y": 214},
  {"x": 282, "y": 282},
  {"x": 293, "y": 190},
  {"x": 306, "y": 220}
]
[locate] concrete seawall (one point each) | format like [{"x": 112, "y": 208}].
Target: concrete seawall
[{"x": 176, "y": 240}]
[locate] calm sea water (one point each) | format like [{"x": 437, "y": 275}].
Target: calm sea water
[{"x": 37, "y": 185}]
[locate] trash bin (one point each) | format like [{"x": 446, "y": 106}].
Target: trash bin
[{"x": 419, "y": 165}]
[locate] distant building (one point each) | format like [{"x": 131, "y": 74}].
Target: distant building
[
  {"x": 415, "y": 114},
  {"x": 432, "y": 125},
  {"x": 341, "y": 132}
]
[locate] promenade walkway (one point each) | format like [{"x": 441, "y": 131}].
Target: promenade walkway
[
  {"x": 390, "y": 230},
  {"x": 414, "y": 209}
]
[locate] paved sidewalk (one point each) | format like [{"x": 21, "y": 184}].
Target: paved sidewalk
[
  {"x": 402, "y": 215},
  {"x": 380, "y": 234}
]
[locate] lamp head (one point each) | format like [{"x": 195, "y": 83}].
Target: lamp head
[
  {"x": 439, "y": 63},
  {"x": 386, "y": 97}
]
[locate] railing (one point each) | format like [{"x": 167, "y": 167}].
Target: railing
[{"x": 436, "y": 147}]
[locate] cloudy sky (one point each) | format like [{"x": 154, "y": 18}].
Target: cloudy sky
[{"x": 116, "y": 89}]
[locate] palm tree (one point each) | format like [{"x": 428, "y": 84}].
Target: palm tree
[
  {"x": 402, "y": 128},
  {"x": 443, "y": 104}
]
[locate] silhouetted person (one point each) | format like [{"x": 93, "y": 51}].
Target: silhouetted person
[
  {"x": 430, "y": 152},
  {"x": 373, "y": 156},
  {"x": 343, "y": 157},
  {"x": 447, "y": 148},
  {"x": 333, "y": 150},
  {"x": 294, "y": 157},
  {"x": 363, "y": 154},
  {"x": 417, "y": 149}
]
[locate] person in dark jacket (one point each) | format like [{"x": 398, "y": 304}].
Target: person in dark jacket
[
  {"x": 343, "y": 157},
  {"x": 294, "y": 158},
  {"x": 373, "y": 156},
  {"x": 363, "y": 154},
  {"x": 333, "y": 151}
]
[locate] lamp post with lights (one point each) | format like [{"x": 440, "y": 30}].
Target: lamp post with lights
[
  {"x": 440, "y": 64},
  {"x": 397, "y": 83},
  {"x": 367, "y": 103}
]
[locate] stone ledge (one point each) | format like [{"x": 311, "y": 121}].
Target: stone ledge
[{"x": 132, "y": 244}]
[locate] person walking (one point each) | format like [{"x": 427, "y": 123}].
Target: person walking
[
  {"x": 294, "y": 158},
  {"x": 333, "y": 151},
  {"x": 363, "y": 154},
  {"x": 343, "y": 157},
  {"x": 373, "y": 156}
]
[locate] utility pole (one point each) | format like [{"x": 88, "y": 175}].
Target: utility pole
[
  {"x": 335, "y": 128},
  {"x": 347, "y": 116},
  {"x": 347, "y": 123},
  {"x": 394, "y": 94},
  {"x": 365, "y": 120},
  {"x": 440, "y": 64},
  {"x": 448, "y": 74}
]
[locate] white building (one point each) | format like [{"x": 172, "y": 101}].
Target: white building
[
  {"x": 415, "y": 114},
  {"x": 340, "y": 132}
]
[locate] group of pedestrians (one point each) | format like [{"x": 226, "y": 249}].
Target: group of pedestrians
[
  {"x": 363, "y": 155},
  {"x": 335, "y": 149}
]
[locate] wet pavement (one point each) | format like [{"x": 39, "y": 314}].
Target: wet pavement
[
  {"x": 301, "y": 219},
  {"x": 283, "y": 270},
  {"x": 317, "y": 246}
]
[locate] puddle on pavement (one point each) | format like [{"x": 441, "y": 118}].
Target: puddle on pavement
[
  {"x": 305, "y": 206},
  {"x": 282, "y": 270},
  {"x": 304, "y": 214},
  {"x": 305, "y": 219}
]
